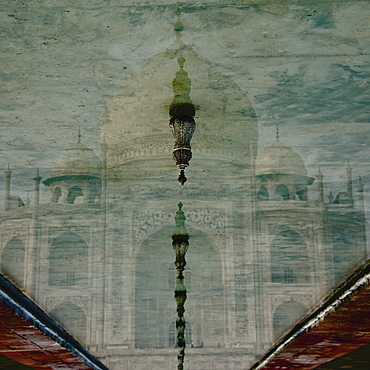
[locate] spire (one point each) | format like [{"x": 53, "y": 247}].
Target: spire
[
  {"x": 360, "y": 185},
  {"x": 37, "y": 180},
  {"x": 331, "y": 197},
  {"x": 8, "y": 175},
  {"x": 277, "y": 132},
  {"x": 8, "y": 171},
  {"x": 28, "y": 200},
  {"x": 320, "y": 186},
  {"x": 349, "y": 180},
  {"x": 360, "y": 193},
  {"x": 178, "y": 26},
  {"x": 180, "y": 221}
]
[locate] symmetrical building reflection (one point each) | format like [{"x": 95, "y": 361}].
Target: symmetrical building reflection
[{"x": 98, "y": 256}]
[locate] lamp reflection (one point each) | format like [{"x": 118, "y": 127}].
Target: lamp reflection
[{"x": 180, "y": 244}]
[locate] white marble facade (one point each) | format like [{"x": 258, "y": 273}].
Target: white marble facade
[{"x": 268, "y": 240}]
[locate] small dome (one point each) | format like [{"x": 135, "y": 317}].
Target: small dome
[
  {"x": 78, "y": 160},
  {"x": 279, "y": 159}
]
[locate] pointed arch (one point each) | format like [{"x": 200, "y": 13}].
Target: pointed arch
[
  {"x": 13, "y": 261},
  {"x": 57, "y": 193},
  {"x": 286, "y": 316},
  {"x": 263, "y": 194},
  {"x": 73, "y": 193},
  {"x": 282, "y": 192},
  {"x": 155, "y": 307},
  {"x": 289, "y": 258},
  {"x": 72, "y": 318},
  {"x": 68, "y": 258}
]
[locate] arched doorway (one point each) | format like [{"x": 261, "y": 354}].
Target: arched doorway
[
  {"x": 57, "y": 193},
  {"x": 286, "y": 316},
  {"x": 282, "y": 192},
  {"x": 72, "y": 318},
  {"x": 155, "y": 307},
  {"x": 73, "y": 193},
  {"x": 289, "y": 260},
  {"x": 12, "y": 261},
  {"x": 68, "y": 259},
  {"x": 263, "y": 194}
]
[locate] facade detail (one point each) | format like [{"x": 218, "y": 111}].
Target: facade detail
[{"x": 262, "y": 253}]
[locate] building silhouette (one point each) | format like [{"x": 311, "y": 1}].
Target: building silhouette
[{"x": 98, "y": 257}]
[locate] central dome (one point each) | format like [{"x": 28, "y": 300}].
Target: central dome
[
  {"x": 136, "y": 122},
  {"x": 280, "y": 159}
]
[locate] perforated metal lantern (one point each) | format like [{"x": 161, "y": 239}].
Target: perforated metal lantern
[{"x": 182, "y": 123}]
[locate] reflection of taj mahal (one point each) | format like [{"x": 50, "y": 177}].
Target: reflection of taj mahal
[{"x": 99, "y": 259}]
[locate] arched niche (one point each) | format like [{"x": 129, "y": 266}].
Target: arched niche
[
  {"x": 13, "y": 261},
  {"x": 155, "y": 307},
  {"x": 282, "y": 192},
  {"x": 57, "y": 193},
  {"x": 73, "y": 193},
  {"x": 286, "y": 316},
  {"x": 68, "y": 259},
  {"x": 263, "y": 194},
  {"x": 289, "y": 259},
  {"x": 72, "y": 318}
]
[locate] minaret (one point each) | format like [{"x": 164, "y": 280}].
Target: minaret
[
  {"x": 8, "y": 175},
  {"x": 37, "y": 180},
  {"x": 320, "y": 186},
  {"x": 103, "y": 150},
  {"x": 28, "y": 200},
  {"x": 349, "y": 180},
  {"x": 360, "y": 192},
  {"x": 253, "y": 153},
  {"x": 331, "y": 197}
]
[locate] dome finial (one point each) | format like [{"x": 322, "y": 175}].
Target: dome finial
[
  {"x": 178, "y": 26},
  {"x": 277, "y": 132}
]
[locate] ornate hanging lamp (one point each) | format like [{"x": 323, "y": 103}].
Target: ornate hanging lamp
[{"x": 182, "y": 111}]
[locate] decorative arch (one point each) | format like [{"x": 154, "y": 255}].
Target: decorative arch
[
  {"x": 72, "y": 318},
  {"x": 13, "y": 261},
  {"x": 155, "y": 307},
  {"x": 210, "y": 221},
  {"x": 68, "y": 259},
  {"x": 57, "y": 193},
  {"x": 282, "y": 192},
  {"x": 263, "y": 194},
  {"x": 73, "y": 193},
  {"x": 289, "y": 258},
  {"x": 286, "y": 316}
]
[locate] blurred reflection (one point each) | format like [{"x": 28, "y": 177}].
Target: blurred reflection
[
  {"x": 180, "y": 244},
  {"x": 264, "y": 250}
]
